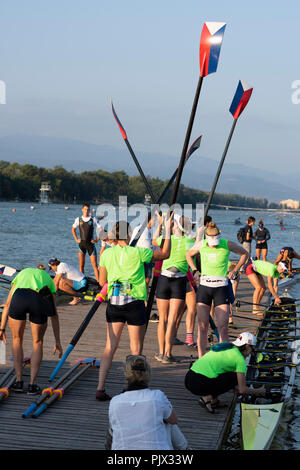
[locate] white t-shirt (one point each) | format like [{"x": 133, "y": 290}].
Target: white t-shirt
[
  {"x": 137, "y": 420},
  {"x": 69, "y": 272},
  {"x": 145, "y": 240}
]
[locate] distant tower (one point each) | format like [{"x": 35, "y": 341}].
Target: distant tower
[{"x": 44, "y": 190}]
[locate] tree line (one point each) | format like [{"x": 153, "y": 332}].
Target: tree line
[{"x": 23, "y": 182}]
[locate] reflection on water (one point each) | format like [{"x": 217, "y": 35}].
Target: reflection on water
[{"x": 29, "y": 237}]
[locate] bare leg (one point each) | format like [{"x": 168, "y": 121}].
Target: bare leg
[
  {"x": 17, "y": 329},
  {"x": 174, "y": 309},
  {"x": 136, "y": 338},
  {"x": 81, "y": 257},
  {"x": 203, "y": 312},
  {"x": 258, "y": 283},
  {"x": 191, "y": 312},
  {"x": 93, "y": 259},
  {"x": 221, "y": 317},
  {"x": 258, "y": 252},
  {"x": 264, "y": 254},
  {"x": 163, "y": 312},
  {"x": 38, "y": 332},
  {"x": 114, "y": 332}
]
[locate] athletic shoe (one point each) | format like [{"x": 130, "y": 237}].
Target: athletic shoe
[
  {"x": 158, "y": 357},
  {"x": 168, "y": 360},
  {"x": 154, "y": 318},
  {"x": 101, "y": 395},
  {"x": 33, "y": 389},
  {"x": 191, "y": 345},
  {"x": 17, "y": 386},
  {"x": 178, "y": 342}
]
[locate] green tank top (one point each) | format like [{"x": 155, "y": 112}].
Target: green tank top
[
  {"x": 179, "y": 248},
  {"x": 265, "y": 268},
  {"x": 214, "y": 261}
]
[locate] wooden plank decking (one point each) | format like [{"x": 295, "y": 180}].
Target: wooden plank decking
[{"x": 79, "y": 421}]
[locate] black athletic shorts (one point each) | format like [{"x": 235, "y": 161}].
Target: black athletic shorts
[
  {"x": 201, "y": 385},
  {"x": 171, "y": 287},
  {"x": 89, "y": 247},
  {"x": 189, "y": 288},
  {"x": 28, "y": 301},
  {"x": 220, "y": 295},
  {"x": 261, "y": 246},
  {"x": 134, "y": 313}
]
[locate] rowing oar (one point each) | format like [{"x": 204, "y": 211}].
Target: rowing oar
[
  {"x": 195, "y": 145},
  {"x": 210, "y": 46},
  {"x": 59, "y": 392},
  {"x": 99, "y": 299},
  {"x": 48, "y": 392},
  {"x": 240, "y": 100},
  {"x": 4, "y": 391}
]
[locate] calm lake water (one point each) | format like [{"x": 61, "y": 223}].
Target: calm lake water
[{"x": 29, "y": 237}]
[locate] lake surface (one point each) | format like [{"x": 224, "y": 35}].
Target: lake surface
[{"x": 29, "y": 237}]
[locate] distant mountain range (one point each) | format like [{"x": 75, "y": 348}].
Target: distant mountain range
[{"x": 199, "y": 173}]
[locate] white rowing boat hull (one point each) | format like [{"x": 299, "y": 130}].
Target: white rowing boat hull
[{"x": 259, "y": 424}]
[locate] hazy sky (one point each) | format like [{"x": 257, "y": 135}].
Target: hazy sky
[{"x": 63, "y": 60}]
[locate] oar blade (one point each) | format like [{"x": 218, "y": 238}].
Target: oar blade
[
  {"x": 122, "y": 130},
  {"x": 210, "y": 47},
  {"x": 195, "y": 145},
  {"x": 240, "y": 99}
]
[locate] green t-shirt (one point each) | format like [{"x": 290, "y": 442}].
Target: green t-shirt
[
  {"x": 215, "y": 363},
  {"x": 179, "y": 248},
  {"x": 126, "y": 264},
  {"x": 214, "y": 261},
  {"x": 265, "y": 268},
  {"x": 35, "y": 279}
]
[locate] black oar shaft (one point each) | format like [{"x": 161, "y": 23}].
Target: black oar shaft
[
  {"x": 212, "y": 192},
  {"x": 149, "y": 189}
]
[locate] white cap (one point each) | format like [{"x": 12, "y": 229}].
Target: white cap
[
  {"x": 245, "y": 338},
  {"x": 283, "y": 266}
]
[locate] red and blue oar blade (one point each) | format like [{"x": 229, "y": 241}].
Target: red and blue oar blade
[
  {"x": 195, "y": 145},
  {"x": 240, "y": 99},
  {"x": 210, "y": 47},
  {"x": 122, "y": 130}
]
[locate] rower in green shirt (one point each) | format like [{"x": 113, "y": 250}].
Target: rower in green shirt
[{"x": 255, "y": 270}]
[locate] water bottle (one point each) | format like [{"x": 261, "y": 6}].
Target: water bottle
[
  {"x": 116, "y": 289},
  {"x": 2, "y": 352}
]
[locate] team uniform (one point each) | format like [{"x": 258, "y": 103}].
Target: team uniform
[
  {"x": 214, "y": 281},
  {"x": 87, "y": 227},
  {"x": 260, "y": 235},
  {"x": 144, "y": 241},
  {"x": 261, "y": 267},
  {"x": 33, "y": 289},
  {"x": 172, "y": 283},
  {"x": 127, "y": 289}
]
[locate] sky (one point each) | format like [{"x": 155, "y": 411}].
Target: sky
[{"x": 63, "y": 61}]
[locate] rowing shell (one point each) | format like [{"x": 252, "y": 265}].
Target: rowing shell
[{"x": 259, "y": 420}]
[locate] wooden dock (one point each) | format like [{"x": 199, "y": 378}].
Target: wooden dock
[{"x": 79, "y": 421}]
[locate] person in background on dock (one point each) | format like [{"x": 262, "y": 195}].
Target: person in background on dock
[
  {"x": 122, "y": 267},
  {"x": 220, "y": 370},
  {"x": 33, "y": 292},
  {"x": 286, "y": 255},
  {"x": 213, "y": 288},
  {"x": 248, "y": 237},
  {"x": 261, "y": 235},
  {"x": 88, "y": 227},
  {"x": 233, "y": 284},
  {"x": 68, "y": 279},
  {"x": 140, "y": 418},
  {"x": 107, "y": 241},
  {"x": 255, "y": 270},
  {"x": 171, "y": 286}
]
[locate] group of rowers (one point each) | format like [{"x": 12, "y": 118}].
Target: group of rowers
[{"x": 127, "y": 271}]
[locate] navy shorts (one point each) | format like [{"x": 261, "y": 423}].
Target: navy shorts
[
  {"x": 133, "y": 313},
  {"x": 171, "y": 287},
  {"x": 29, "y": 301},
  {"x": 219, "y": 295}
]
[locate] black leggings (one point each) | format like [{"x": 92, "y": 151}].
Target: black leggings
[{"x": 201, "y": 385}]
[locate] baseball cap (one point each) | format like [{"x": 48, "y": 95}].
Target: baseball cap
[
  {"x": 283, "y": 266},
  {"x": 245, "y": 338},
  {"x": 52, "y": 261}
]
